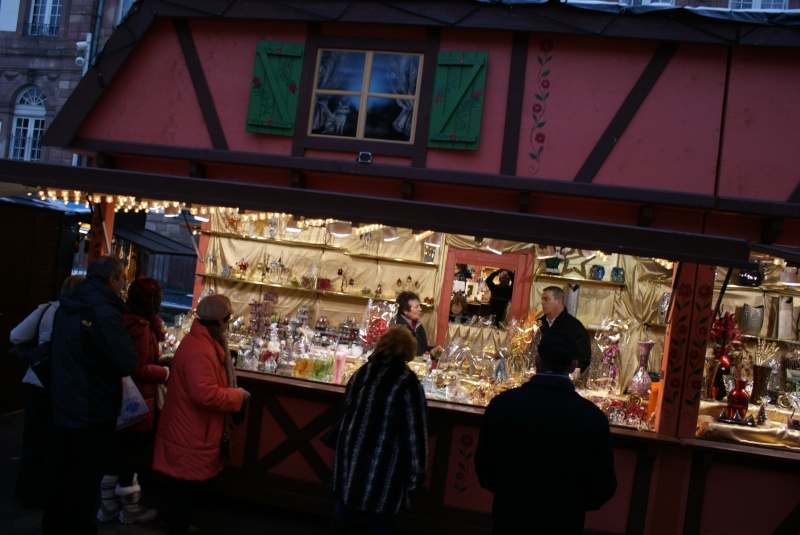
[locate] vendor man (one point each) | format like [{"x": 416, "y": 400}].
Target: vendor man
[{"x": 556, "y": 318}]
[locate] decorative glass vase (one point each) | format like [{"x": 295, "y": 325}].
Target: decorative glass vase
[
  {"x": 597, "y": 272},
  {"x": 709, "y": 374},
  {"x": 737, "y": 400},
  {"x": 640, "y": 383},
  {"x": 719, "y": 389},
  {"x": 761, "y": 375}
]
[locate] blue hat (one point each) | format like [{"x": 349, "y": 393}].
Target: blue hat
[{"x": 558, "y": 348}]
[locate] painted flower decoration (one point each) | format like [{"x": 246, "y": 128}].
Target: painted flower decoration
[{"x": 539, "y": 108}]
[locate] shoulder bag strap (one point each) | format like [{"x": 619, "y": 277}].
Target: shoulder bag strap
[{"x": 39, "y": 323}]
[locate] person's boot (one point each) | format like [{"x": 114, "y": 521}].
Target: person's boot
[
  {"x": 132, "y": 511},
  {"x": 109, "y": 502}
]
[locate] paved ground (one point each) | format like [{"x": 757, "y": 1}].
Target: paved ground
[{"x": 218, "y": 516}]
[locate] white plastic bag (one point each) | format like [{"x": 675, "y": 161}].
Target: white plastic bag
[{"x": 133, "y": 407}]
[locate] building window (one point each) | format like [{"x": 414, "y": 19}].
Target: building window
[
  {"x": 124, "y": 7},
  {"x": 29, "y": 114},
  {"x": 365, "y": 95},
  {"x": 759, "y": 5},
  {"x": 45, "y": 16}
]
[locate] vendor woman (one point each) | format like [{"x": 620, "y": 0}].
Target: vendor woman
[{"x": 409, "y": 313}]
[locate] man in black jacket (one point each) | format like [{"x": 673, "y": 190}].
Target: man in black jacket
[
  {"x": 557, "y": 318},
  {"x": 92, "y": 351},
  {"x": 544, "y": 451}
]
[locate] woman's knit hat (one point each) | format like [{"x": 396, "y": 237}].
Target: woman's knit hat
[{"x": 213, "y": 307}]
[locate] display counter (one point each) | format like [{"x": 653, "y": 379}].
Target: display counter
[{"x": 666, "y": 485}]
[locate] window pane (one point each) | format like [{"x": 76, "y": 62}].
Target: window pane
[
  {"x": 389, "y": 119},
  {"x": 335, "y": 115},
  {"x": 55, "y": 12},
  {"x": 341, "y": 70},
  {"x": 394, "y": 73}
]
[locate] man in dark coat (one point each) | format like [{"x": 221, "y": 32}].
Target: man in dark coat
[
  {"x": 557, "y": 318},
  {"x": 544, "y": 451},
  {"x": 92, "y": 352}
]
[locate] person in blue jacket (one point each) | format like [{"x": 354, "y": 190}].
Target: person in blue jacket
[{"x": 92, "y": 352}]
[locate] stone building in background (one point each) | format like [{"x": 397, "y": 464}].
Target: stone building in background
[{"x": 45, "y": 47}]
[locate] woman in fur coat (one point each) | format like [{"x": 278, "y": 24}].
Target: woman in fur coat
[{"x": 382, "y": 443}]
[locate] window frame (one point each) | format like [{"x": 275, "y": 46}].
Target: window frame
[
  {"x": 123, "y": 10},
  {"x": 756, "y": 5},
  {"x": 416, "y": 150},
  {"x": 30, "y": 113},
  {"x": 48, "y": 29},
  {"x": 365, "y": 93}
]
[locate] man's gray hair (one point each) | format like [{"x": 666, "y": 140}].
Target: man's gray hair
[
  {"x": 105, "y": 267},
  {"x": 558, "y": 293}
]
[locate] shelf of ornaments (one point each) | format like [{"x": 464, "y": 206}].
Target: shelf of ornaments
[
  {"x": 751, "y": 338},
  {"x": 647, "y": 326},
  {"x": 322, "y": 246},
  {"x": 310, "y": 291},
  {"x": 777, "y": 289},
  {"x": 570, "y": 280}
]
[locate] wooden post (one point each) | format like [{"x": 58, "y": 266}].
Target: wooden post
[
  {"x": 101, "y": 231},
  {"x": 685, "y": 348}
]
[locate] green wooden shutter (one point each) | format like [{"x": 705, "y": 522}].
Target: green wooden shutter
[
  {"x": 274, "y": 88},
  {"x": 458, "y": 95}
]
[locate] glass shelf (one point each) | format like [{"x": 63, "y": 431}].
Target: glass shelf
[
  {"x": 273, "y": 241},
  {"x": 337, "y": 248},
  {"x": 542, "y": 276},
  {"x": 778, "y": 289},
  {"x": 310, "y": 291},
  {"x": 388, "y": 259},
  {"x": 769, "y": 339}
]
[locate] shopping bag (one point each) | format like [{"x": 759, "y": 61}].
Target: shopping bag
[{"x": 133, "y": 407}]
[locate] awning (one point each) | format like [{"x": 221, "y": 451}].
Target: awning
[
  {"x": 527, "y": 228},
  {"x": 152, "y": 241}
]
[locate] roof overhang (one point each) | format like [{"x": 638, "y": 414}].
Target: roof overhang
[
  {"x": 530, "y": 228},
  {"x": 152, "y": 242}
]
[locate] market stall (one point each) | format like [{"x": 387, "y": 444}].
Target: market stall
[{"x": 251, "y": 122}]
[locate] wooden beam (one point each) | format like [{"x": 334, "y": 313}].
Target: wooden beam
[
  {"x": 396, "y": 172},
  {"x": 626, "y": 112},
  {"x": 98, "y": 76},
  {"x": 200, "y": 83},
  {"x": 514, "y": 99},
  {"x": 526, "y": 228}
]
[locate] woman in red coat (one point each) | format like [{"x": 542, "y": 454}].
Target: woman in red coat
[
  {"x": 202, "y": 390},
  {"x": 120, "y": 492}
]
